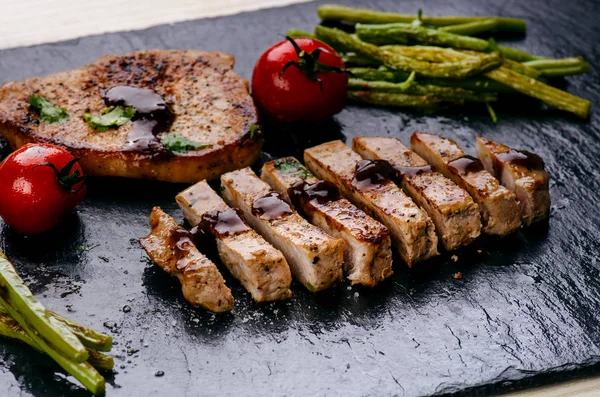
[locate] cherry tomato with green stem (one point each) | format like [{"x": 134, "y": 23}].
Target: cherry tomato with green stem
[
  {"x": 300, "y": 79},
  {"x": 39, "y": 185}
]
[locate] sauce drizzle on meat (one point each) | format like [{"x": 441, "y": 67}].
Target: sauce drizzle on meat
[
  {"x": 403, "y": 171},
  {"x": 465, "y": 165},
  {"x": 182, "y": 240},
  {"x": 372, "y": 173},
  {"x": 152, "y": 116},
  {"x": 322, "y": 192},
  {"x": 271, "y": 207},
  {"x": 224, "y": 223},
  {"x": 521, "y": 158}
]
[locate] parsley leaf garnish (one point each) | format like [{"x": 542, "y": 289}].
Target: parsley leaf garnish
[
  {"x": 291, "y": 166},
  {"x": 48, "y": 112},
  {"x": 179, "y": 144},
  {"x": 110, "y": 118},
  {"x": 254, "y": 130}
]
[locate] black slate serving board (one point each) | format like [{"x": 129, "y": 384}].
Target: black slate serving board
[{"x": 525, "y": 312}]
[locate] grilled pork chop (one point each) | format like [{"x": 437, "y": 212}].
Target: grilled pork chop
[
  {"x": 315, "y": 258},
  {"x": 210, "y": 104},
  {"x": 261, "y": 268},
  {"x": 412, "y": 231},
  {"x": 499, "y": 208},
  {"x": 170, "y": 246},
  {"x": 522, "y": 173},
  {"x": 367, "y": 253},
  {"x": 453, "y": 211}
]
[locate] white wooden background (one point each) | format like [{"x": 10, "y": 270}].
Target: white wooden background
[{"x": 29, "y": 22}]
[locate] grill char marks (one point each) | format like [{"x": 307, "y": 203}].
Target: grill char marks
[
  {"x": 500, "y": 213},
  {"x": 367, "y": 248},
  {"x": 315, "y": 258},
  {"x": 412, "y": 231},
  {"x": 211, "y": 105},
  {"x": 452, "y": 210},
  {"x": 521, "y": 172},
  {"x": 260, "y": 268},
  {"x": 171, "y": 247}
]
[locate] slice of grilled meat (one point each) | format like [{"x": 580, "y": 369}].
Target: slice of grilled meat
[
  {"x": 366, "y": 183},
  {"x": 315, "y": 258},
  {"x": 209, "y": 101},
  {"x": 521, "y": 172},
  {"x": 261, "y": 268},
  {"x": 367, "y": 248},
  {"x": 500, "y": 213},
  {"x": 171, "y": 247},
  {"x": 453, "y": 211}
]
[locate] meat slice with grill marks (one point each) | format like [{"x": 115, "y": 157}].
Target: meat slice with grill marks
[
  {"x": 208, "y": 104},
  {"x": 366, "y": 183},
  {"x": 453, "y": 211},
  {"x": 314, "y": 257},
  {"x": 172, "y": 248},
  {"x": 521, "y": 172},
  {"x": 500, "y": 213},
  {"x": 367, "y": 248},
  {"x": 260, "y": 268}
]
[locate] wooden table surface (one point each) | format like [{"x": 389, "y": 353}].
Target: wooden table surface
[{"x": 30, "y": 22}]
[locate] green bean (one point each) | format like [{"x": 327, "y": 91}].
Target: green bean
[
  {"x": 19, "y": 298},
  {"x": 393, "y": 99},
  {"x": 361, "y": 15},
  {"x": 402, "y": 33},
  {"x": 417, "y": 88},
  {"x": 534, "y": 88},
  {"x": 395, "y": 61},
  {"x": 472, "y": 28}
]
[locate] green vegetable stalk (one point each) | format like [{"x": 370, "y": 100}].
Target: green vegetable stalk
[
  {"x": 19, "y": 299},
  {"x": 82, "y": 371},
  {"x": 393, "y": 99},
  {"x": 534, "y": 88},
  {"x": 559, "y": 67},
  {"x": 394, "y": 76},
  {"x": 10, "y": 328},
  {"x": 361, "y": 15},
  {"x": 416, "y": 88},
  {"x": 472, "y": 28},
  {"x": 402, "y": 33},
  {"x": 392, "y": 60},
  {"x": 45, "y": 331}
]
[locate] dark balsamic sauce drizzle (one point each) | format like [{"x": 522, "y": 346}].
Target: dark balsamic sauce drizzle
[
  {"x": 183, "y": 240},
  {"x": 152, "y": 116},
  {"x": 403, "y": 171},
  {"x": 271, "y": 207},
  {"x": 224, "y": 223},
  {"x": 521, "y": 158},
  {"x": 466, "y": 164},
  {"x": 322, "y": 192},
  {"x": 372, "y": 173}
]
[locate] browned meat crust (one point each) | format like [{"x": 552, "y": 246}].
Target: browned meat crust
[
  {"x": 367, "y": 248},
  {"x": 260, "y": 267},
  {"x": 170, "y": 247},
  {"x": 453, "y": 211},
  {"x": 500, "y": 213},
  {"x": 522, "y": 173},
  {"x": 210, "y": 101}
]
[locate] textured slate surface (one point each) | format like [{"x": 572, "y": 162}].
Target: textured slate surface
[{"x": 525, "y": 312}]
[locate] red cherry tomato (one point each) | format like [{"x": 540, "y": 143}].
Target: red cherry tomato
[
  {"x": 305, "y": 81},
  {"x": 39, "y": 185}
]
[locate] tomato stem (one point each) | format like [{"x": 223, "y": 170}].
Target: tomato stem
[
  {"x": 308, "y": 63},
  {"x": 66, "y": 179}
]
